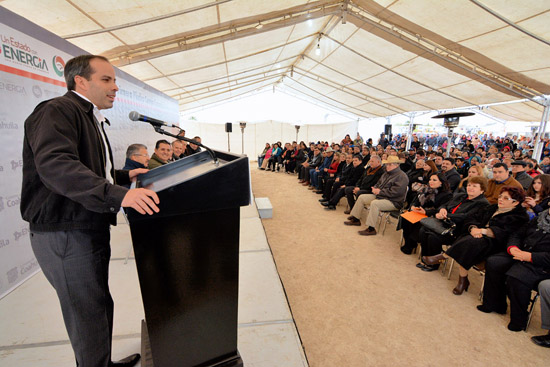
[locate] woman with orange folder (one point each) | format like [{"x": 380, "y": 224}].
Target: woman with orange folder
[{"x": 436, "y": 194}]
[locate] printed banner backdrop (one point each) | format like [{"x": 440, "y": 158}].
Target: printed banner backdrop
[{"x": 31, "y": 70}]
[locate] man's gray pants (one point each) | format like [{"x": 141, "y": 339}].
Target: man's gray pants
[
  {"x": 544, "y": 291},
  {"x": 76, "y": 263}
]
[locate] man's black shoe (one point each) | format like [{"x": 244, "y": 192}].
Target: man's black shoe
[
  {"x": 542, "y": 340},
  {"x": 330, "y": 207},
  {"x": 323, "y": 199},
  {"x": 129, "y": 361},
  {"x": 325, "y": 203}
]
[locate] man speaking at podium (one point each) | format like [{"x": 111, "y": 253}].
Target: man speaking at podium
[{"x": 70, "y": 197}]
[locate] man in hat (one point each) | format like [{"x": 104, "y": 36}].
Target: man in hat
[
  {"x": 518, "y": 170},
  {"x": 388, "y": 194}
]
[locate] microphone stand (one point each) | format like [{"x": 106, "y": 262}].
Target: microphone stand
[{"x": 159, "y": 130}]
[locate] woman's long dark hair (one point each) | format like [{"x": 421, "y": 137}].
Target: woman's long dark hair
[
  {"x": 544, "y": 190},
  {"x": 444, "y": 182}
]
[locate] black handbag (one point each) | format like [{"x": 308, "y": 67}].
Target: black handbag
[{"x": 440, "y": 226}]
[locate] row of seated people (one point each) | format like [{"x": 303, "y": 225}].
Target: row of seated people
[{"x": 489, "y": 218}]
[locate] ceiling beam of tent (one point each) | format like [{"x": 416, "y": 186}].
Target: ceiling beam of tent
[
  {"x": 279, "y": 71},
  {"x": 336, "y": 106},
  {"x": 398, "y": 73},
  {"x": 229, "y": 75},
  {"x": 231, "y": 88},
  {"x": 231, "y": 60},
  {"x": 444, "y": 56},
  {"x": 306, "y": 98},
  {"x": 348, "y": 90},
  {"x": 329, "y": 98},
  {"x": 222, "y": 32},
  {"x": 368, "y": 85},
  {"x": 145, "y": 21},
  {"x": 315, "y": 40},
  {"x": 509, "y": 22}
]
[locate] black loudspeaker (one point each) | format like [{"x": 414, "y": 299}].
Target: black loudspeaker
[
  {"x": 228, "y": 127},
  {"x": 387, "y": 130}
]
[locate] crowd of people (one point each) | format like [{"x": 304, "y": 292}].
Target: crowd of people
[
  {"x": 165, "y": 152},
  {"x": 485, "y": 204}
]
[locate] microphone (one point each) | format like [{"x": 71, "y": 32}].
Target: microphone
[{"x": 135, "y": 116}]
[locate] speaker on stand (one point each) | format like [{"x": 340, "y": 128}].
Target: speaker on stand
[{"x": 228, "y": 129}]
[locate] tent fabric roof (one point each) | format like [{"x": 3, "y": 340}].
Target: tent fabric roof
[{"x": 368, "y": 58}]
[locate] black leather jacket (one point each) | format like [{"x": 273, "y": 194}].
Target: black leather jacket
[{"x": 64, "y": 185}]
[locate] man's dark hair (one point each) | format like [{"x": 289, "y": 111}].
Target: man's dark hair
[
  {"x": 80, "y": 66},
  {"x": 358, "y": 157},
  {"x": 159, "y": 142},
  {"x": 451, "y": 160},
  {"x": 134, "y": 149},
  {"x": 500, "y": 164},
  {"x": 421, "y": 152},
  {"x": 439, "y": 155}
]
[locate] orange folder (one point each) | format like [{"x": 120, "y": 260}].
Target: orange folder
[{"x": 413, "y": 217}]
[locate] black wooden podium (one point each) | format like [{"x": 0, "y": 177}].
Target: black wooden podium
[{"x": 187, "y": 257}]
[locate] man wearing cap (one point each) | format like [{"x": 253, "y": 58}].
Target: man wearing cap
[
  {"x": 388, "y": 194},
  {"x": 518, "y": 170}
]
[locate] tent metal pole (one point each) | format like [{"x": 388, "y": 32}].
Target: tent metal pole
[
  {"x": 411, "y": 125},
  {"x": 542, "y": 128}
]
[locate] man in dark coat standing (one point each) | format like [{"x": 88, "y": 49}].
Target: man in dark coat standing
[{"x": 70, "y": 197}]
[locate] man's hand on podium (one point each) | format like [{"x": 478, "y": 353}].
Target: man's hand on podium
[{"x": 142, "y": 200}]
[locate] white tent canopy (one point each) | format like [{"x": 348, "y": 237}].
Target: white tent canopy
[{"x": 366, "y": 58}]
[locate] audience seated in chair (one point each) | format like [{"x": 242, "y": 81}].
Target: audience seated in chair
[
  {"x": 322, "y": 169},
  {"x": 275, "y": 157},
  {"x": 426, "y": 202},
  {"x": 335, "y": 171},
  {"x": 162, "y": 154},
  {"x": 314, "y": 162},
  {"x": 458, "y": 209},
  {"x": 544, "y": 291},
  {"x": 501, "y": 178},
  {"x": 485, "y": 233},
  {"x": 388, "y": 194},
  {"x": 368, "y": 179},
  {"x": 348, "y": 179},
  {"x": 538, "y": 195},
  {"x": 518, "y": 271}
]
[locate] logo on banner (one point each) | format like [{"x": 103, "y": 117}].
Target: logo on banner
[
  {"x": 13, "y": 88},
  {"x": 12, "y": 275},
  {"x": 16, "y": 164},
  {"x": 11, "y": 202},
  {"x": 58, "y": 65},
  {"x": 20, "y": 53},
  {"x": 29, "y": 266},
  {"x": 36, "y": 91},
  {"x": 4, "y": 242},
  {"x": 18, "y": 234}
]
